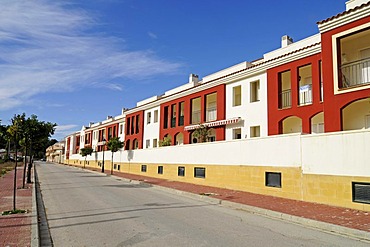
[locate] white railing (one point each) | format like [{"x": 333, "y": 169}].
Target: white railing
[
  {"x": 305, "y": 94},
  {"x": 355, "y": 73}
]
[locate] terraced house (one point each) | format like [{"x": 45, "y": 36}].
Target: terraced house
[{"x": 293, "y": 124}]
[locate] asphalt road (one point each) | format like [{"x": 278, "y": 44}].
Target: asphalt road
[{"x": 90, "y": 209}]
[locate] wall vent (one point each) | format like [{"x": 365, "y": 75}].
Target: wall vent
[{"x": 361, "y": 192}]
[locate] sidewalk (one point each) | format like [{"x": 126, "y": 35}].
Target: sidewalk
[
  {"x": 329, "y": 218},
  {"x": 15, "y": 230}
]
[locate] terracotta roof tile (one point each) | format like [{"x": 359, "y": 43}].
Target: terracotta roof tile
[{"x": 344, "y": 13}]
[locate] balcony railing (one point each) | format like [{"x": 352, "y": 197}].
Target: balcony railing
[
  {"x": 305, "y": 94},
  {"x": 355, "y": 73},
  {"x": 285, "y": 99},
  {"x": 211, "y": 114}
]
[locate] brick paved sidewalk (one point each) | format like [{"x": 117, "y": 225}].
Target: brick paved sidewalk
[
  {"x": 355, "y": 219},
  {"x": 15, "y": 230}
]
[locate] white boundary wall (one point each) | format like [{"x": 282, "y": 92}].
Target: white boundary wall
[
  {"x": 344, "y": 153},
  {"x": 341, "y": 153}
]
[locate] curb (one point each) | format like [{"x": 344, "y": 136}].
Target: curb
[
  {"x": 323, "y": 226},
  {"x": 35, "y": 241}
]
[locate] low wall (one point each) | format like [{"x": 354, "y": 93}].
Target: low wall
[{"x": 317, "y": 168}]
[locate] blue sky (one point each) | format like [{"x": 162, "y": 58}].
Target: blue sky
[{"x": 72, "y": 62}]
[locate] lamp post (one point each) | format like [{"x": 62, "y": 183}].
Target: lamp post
[{"x": 102, "y": 168}]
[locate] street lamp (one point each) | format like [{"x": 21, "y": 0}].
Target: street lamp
[{"x": 103, "y": 142}]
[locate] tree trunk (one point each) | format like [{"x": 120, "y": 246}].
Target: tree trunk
[
  {"x": 25, "y": 167},
  {"x": 111, "y": 165},
  {"x": 15, "y": 174}
]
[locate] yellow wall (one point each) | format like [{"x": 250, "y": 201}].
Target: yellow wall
[{"x": 330, "y": 190}]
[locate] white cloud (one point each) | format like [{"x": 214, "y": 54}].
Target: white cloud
[
  {"x": 47, "y": 46},
  {"x": 63, "y": 130},
  {"x": 152, "y": 35}
]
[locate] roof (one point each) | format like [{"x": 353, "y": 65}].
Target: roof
[{"x": 344, "y": 13}]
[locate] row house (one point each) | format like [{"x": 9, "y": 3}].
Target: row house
[
  {"x": 284, "y": 125},
  {"x": 95, "y": 135},
  {"x": 231, "y": 108}
]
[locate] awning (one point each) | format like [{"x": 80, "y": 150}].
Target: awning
[{"x": 214, "y": 124}]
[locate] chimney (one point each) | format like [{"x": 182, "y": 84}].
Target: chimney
[
  {"x": 354, "y": 3},
  {"x": 285, "y": 41},
  {"x": 193, "y": 78}
]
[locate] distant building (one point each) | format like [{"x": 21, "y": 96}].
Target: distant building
[{"x": 55, "y": 153}]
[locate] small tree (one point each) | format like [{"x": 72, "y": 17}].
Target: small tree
[
  {"x": 114, "y": 144},
  {"x": 85, "y": 152},
  {"x": 202, "y": 133},
  {"x": 165, "y": 142}
]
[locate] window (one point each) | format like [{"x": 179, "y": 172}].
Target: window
[
  {"x": 148, "y": 117},
  {"x": 128, "y": 123},
  {"x": 155, "y": 143},
  {"x": 237, "y": 95},
  {"x": 132, "y": 125},
  {"x": 211, "y": 107},
  {"x": 173, "y": 115},
  {"x": 155, "y": 116},
  {"x": 255, "y": 131},
  {"x": 181, "y": 171},
  {"x": 119, "y": 167},
  {"x": 135, "y": 144},
  {"x": 120, "y": 129},
  {"x": 273, "y": 179},
  {"x": 361, "y": 192},
  {"x": 237, "y": 133},
  {"x": 181, "y": 114},
  {"x": 321, "y": 84},
  {"x": 115, "y": 166},
  {"x": 199, "y": 172},
  {"x": 147, "y": 145},
  {"x": 160, "y": 169},
  {"x": 165, "y": 117},
  {"x": 143, "y": 168},
  {"x": 137, "y": 124},
  {"x": 305, "y": 84},
  {"x": 195, "y": 110},
  {"x": 255, "y": 91},
  {"x": 285, "y": 97}
]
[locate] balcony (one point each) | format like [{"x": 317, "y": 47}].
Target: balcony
[
  {"x": 356, "y": 73},
  {"x": 305, "y": 94},
  {"x": 285, "y": 99}
]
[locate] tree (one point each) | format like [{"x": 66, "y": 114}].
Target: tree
[
  {"x": 114, "y": 144},
  {"x": 165, "y": 142},
  {"x": 202, "y": 133},
  {"x": 34, "y": 138},
  {"x": 85, "y": 152},
  {"x": 13, "y": 131}
]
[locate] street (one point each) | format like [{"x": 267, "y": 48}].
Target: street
[{"x": 86, "y": 208}]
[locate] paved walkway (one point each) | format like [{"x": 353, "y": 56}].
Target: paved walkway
[
  {"x": 15, "y": 230},
  {"x": 350, "y": 218}
]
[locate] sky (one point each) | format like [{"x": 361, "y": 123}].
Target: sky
[{"x": 72, "y": 62}]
